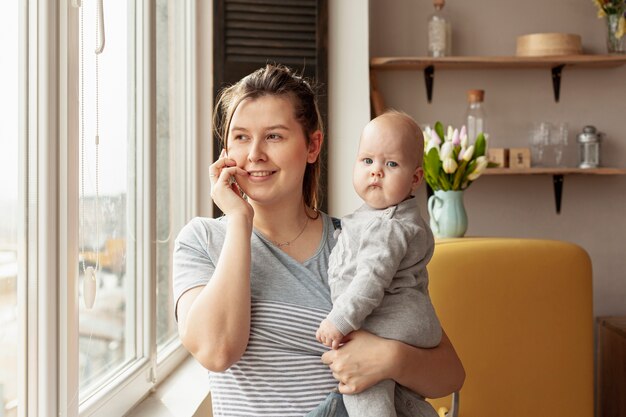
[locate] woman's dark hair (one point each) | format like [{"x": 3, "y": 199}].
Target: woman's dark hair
[{"x": 275, "y": 80}]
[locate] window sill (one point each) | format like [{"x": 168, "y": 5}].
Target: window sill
[{"x": 185, "y": 393}]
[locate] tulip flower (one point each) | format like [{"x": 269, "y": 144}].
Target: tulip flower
[
  {"x": 460, "y": 154},
  {"x": 462, "y": 134},
  {"x": 427, "y": 136},
  {"x": 463, "y": 138},
  {"x": 456, "y": 137},
  {"x": 446, "y": 150},
  {"x": 449, "y": 165},
  {"x": 469, "y": 152},
  {"x": 434, "y": 137},
  {"x": 481, "y": 165},
  {"x": 457, "y": 161}
]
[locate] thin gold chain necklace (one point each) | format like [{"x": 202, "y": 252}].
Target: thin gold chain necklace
[{"x": 289, "y": 242}]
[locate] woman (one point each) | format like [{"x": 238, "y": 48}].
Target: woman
[{"x": 251, "y": 287}]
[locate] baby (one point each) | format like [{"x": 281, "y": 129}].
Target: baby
[{"x": 377, "y": 270}]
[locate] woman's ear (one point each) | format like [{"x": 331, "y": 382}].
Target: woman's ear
[{"x": 315, "y": 146}]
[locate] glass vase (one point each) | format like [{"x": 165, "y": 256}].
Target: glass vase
[{"x": 614, "y": 44}]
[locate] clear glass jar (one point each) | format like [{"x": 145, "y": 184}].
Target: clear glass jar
[
  {"x": 439, "y": 32},
  {"x": 475, "y": 114}
]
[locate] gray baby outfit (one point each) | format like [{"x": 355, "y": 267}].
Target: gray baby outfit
[{"x": 378, "y": 281}]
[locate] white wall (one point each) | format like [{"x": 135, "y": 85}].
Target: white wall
[
  {"x": 593, "y": 208},
  {"x": 348, "y": 97}
]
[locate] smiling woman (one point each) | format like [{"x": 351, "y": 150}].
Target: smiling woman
[{"x": 252, "y": 286}]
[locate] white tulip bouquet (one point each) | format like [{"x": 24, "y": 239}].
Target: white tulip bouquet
[{"x": 451, "y": 160}]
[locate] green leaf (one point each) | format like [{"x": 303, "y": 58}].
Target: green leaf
[
  {"x": 480, "y": 145},
  {"x": 455, "y": 152},
  {"x": 445, "y": 182},
  {"x": 439, "y": 130},
  {"x": 459, "y": 176},
  {"x": 471, "y": 166},
  {"x": 433, "y": 168}
]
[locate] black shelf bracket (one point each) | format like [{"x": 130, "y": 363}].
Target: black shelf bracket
[
  {"x": 429, "y": 79},
  {"x": 558, "y": 191},
  {"x": 556, "y": 81}
]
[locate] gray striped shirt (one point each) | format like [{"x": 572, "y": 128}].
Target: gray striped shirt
[{"x": 280, "y": 374}]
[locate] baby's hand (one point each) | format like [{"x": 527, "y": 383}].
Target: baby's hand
[{"x": 328, "y": 334}]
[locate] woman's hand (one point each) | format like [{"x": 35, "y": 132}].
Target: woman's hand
[
  {"x": 359, "y": 363},
  {"x": 366, "y": 359},
  {"x": 225, "y": 191}
]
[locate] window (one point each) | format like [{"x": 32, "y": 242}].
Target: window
[
  {"x": 107, "y": 209},
  {"x": 9, "y": 172},
  {"x": 69, "y": 205}
]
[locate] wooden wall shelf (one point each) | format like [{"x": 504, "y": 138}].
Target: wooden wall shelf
[
  {"x": 496, "y": 62},
  {"x": 557, "y": 176},
  {"x": 554, "y": 171},
  {"x": 554, "y": 63}
]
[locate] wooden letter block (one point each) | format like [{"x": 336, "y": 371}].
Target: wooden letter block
[
  {"x": 499, "y": 156},
  {"x": 519, "y": 158}
]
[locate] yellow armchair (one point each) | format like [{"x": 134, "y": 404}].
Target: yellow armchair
[{"x": 519, "y": 312}]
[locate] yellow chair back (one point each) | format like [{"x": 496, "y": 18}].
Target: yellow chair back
[{"x": 519, "y": 312}]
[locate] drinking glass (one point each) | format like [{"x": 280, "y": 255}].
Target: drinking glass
[
  {"x": 559, "y": 140},
  {"x": 539, "y": 139}
]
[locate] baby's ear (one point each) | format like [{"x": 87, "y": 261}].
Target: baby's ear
[{"x": 418, "y": 176}]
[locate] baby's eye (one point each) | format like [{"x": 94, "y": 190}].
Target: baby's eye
[
  {"x": 392, "y": 164},
  {"x": 368, "y": 161}
]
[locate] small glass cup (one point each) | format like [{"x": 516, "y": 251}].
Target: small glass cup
[
  {"x": 539, "y": 140},
  {"x": 559, "y": 141}
]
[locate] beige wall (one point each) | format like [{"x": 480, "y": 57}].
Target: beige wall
[{"x": 593, "y": 208}]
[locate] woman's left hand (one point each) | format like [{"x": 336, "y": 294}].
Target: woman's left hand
[{"x": 362, "y": 361}]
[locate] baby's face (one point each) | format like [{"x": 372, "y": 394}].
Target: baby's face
[{"x": 387, "y": 168}]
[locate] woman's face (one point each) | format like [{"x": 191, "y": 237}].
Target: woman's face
[{"x": 267, "y": 141}]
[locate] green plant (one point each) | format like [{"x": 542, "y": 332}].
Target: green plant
[{"x": 451, "y": 160}]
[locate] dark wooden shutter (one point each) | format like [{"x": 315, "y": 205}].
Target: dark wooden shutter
[{"x": 250, "y": 33}]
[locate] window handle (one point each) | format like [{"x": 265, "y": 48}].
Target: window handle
[{"x": 100, "y": 33}]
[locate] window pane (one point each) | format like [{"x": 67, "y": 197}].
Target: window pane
[
  {"x": 107, "y": 207},
  {"x": 170, "y": 169},
  {"x": 8, "y": 209}
]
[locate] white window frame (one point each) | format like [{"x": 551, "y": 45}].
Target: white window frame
[{"x": 48, "y": 296}]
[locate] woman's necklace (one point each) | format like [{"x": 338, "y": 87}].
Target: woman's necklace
[{"x": 289, "y": 242}]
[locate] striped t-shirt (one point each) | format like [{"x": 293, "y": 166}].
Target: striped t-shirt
[{"x": 280, "y": 374}]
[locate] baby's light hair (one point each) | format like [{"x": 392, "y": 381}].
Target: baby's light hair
[{"x": 414, "y": 129}]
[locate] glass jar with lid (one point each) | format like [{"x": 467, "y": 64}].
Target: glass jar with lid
[{"x": 439, "y": 32}]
